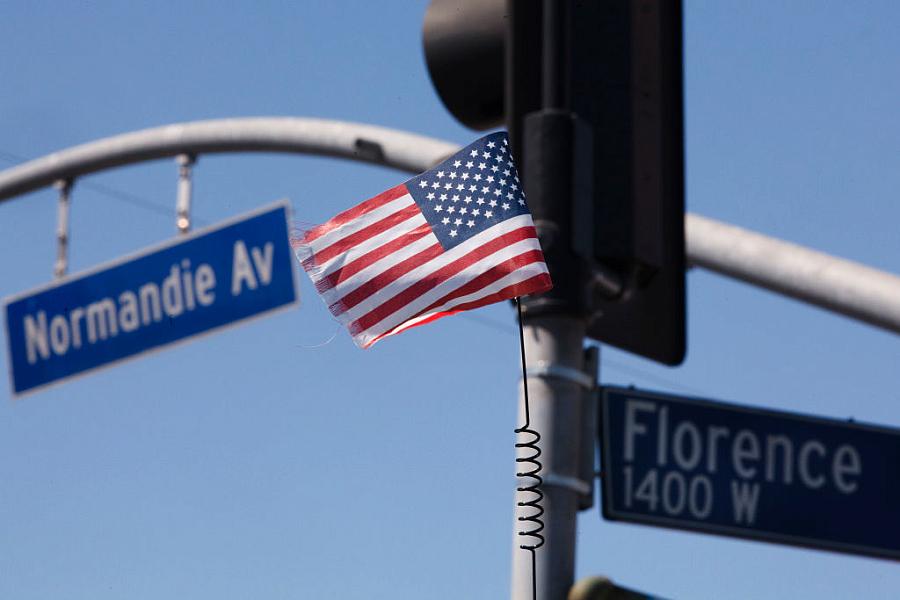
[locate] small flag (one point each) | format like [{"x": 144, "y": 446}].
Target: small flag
[{"x": 456, "y": 237}]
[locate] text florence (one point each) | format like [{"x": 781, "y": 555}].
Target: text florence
[
  {"x": 181, "y": 291},
  {"x": 685, "y": 454}
]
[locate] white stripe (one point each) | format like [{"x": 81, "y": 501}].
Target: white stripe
[
  {"x": 453, "y": 283},
  {"x": 400, "y": 285},
  {"x": 518, "y": 276},
  {"x": 319, "y": 272},
  {"x": 380, "y": 266},
  {"x": 364, "y": 220}
]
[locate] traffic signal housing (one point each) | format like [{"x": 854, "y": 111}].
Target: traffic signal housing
[{"x": 592, "y": 97}]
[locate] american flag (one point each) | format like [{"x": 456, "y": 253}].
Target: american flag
[{"x": 456, "y": 237}]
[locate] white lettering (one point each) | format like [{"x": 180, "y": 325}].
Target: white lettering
[
  {"x": 787, "y": 457},
  {"x": 171, "y": 293},
  {"x": 846, "y": 462},
  {"x": 150, "y": 308},
  {"x": 36, "y": 337},
  {"x": 632, "y": 427},
  {"x": 59, "y": 335},
  {"x": 698, "y": 484},
  {"x": 712, "y": 437},
  {"x": 101, "y": 320},
  {"x": 803, "y": 464},
  {"x": 242, "y": 270},
  {"x": 744, "y": 497},
  {"x": 205, "y": 280},
  {"x": 128, "y": 312},
  {"x": 263, "y": 262},
  {"x": 745, "y": 447},
  {"x": 687, "y": 460}
]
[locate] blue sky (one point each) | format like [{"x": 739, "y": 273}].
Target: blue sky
[{"x": 260, "y": 463}]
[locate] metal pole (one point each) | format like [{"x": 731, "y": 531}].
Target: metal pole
[{"x": 556, "y": 385}]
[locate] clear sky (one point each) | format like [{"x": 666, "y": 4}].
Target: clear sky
[{"x": 263, "y": 462}]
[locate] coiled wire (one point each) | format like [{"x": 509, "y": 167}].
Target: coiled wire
[{"x": 532, "y": 524}]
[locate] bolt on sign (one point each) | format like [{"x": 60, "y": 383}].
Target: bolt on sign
[
  {"x": 215, "y": 277},
  {"x": 751, "y": 473}
]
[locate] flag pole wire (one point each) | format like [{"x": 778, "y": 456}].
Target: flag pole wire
[{"x": 532, "y": 524}]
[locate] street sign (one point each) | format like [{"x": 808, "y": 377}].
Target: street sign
[
  {"x": 751, "y": 473},
  {"x": 217, "y": 276}
]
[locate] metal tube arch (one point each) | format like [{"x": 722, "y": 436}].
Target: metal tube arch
[{"x": 832, "y": 283}]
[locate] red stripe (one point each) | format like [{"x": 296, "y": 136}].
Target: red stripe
[
  {"x": 533, "y": 285},
  {"x": 385, "y": 278},
  {"x": 493, "y": 274},
  {"x": 354, "y": 239},
  {"x": 431, "y": 280},
  {"x": 373, "y": 256},
  {"x": 355, "y": 212}
]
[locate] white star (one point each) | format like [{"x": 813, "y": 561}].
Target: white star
[
  {"x": 476, "y": 212},
  {"x": 457, "y": 222},
  {"x": 502, "y": 149},
  {"x": 509, "y": 162},
  {"x": 498, "y": 158},
  {"x": 451, "y": 209},
  {"x": 504, "y": 206},
  {"x": 435, "y": 185},
  {"x": 477, "y": 176},
  {"x": 514, "y": 187},
  {"x": 438, "y": 208},
  {"x": 453, "y": 175},
  {"x": 448, "y": 185},
  {"x": 502, "y": 182},
  {"x": 445, "y": 220},
  {"x": 482, "y": 166},
  {"x": 463, "y": 210},
  {"x": 452, "y": 233},
  {"x": 423, "y": 183},
  {"x": 470, "y": 164},
  {"x": 506, "y": 172},
  {"x": 440, "y": 174},
  {"x": 460, "y": 187},
  {"x": 491, "y": 144},
  {"x": 486, "y": 154},
  {"x": 430, "y": 195},
  {"x": 492, "y": 204},
  {"x": 510, "y": 195},
  {"x": 497, "y": 192},
  {"x": 473, "y": 187},
  {"x": 521, "y": 202},
  {"x": 455, "y": 197},
  {"x": 443, "y": 196},
  {"x": 470, "y": 223},
  {"x": 467, "y": 199},
  {"x": 490, "y": 179},
  {"x": 485, "y": 190},
  {"x": 480, "y": 201},
  {"x": 488, "y": 214},
  {"x": 465, "y": 175},
  {"x": 495, "y": 168},
  {"x": 456, "y": 163},
  {"x": 473, "y": 153}
]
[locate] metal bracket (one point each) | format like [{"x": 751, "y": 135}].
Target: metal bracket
[
  {"x": 578, "y": 486},
  {"x": 543, "y": 369},
  {"x": 62, "y": 227},
  {"x": 183, "y": 203}
]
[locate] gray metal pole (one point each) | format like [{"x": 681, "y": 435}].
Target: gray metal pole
[{"x": 556, "y": 386}]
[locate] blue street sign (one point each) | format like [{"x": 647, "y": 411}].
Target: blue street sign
[
  {"x": 750, "y": 473},
  {"x": 226, "y": 273}
]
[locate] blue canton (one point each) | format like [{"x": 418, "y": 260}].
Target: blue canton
[{"x": 471, "y": 191}]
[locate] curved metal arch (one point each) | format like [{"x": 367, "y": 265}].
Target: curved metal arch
[
  {"x": 832, "y": 283},
  {"x": 356, "y": 141}
]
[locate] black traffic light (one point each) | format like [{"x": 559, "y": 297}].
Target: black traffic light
[{"x": 591, "y": 94}]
